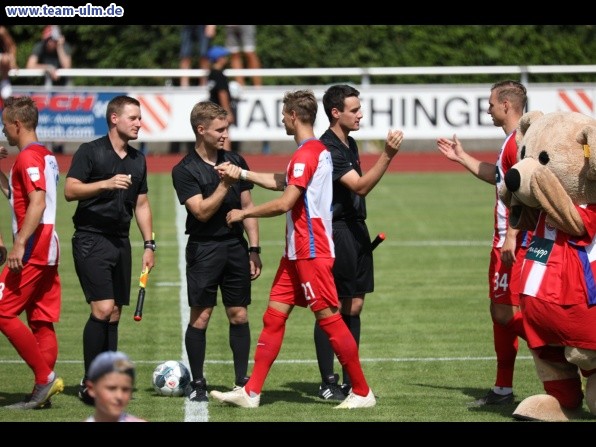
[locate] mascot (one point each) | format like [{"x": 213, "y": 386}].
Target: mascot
[{"x": 552, "y": 191}]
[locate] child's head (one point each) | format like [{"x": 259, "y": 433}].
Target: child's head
[
  {"x": 109, "y": 362},
  {"x": 110, "y": 383}
]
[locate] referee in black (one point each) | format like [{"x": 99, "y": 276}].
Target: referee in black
[
  {"x": 217, "y": 256},
  {"x": 108, "y": 177},
  {"x": 353, "y": 269}
]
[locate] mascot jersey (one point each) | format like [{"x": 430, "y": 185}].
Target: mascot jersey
[
  {"x": 559, "y": 268},
  {"x": 507, "y": 158}
]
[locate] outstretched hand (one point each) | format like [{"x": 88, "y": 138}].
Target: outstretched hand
[
  {"x": 452, "y": 149},
  {"x": 394, "y": 140}
]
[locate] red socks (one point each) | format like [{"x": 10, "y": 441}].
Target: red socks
[
  {"x": 268, "y": 346},
  {"x": 345, "y": 348}
]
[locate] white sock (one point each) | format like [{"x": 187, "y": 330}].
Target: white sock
[{"x": 502, "y": 390}]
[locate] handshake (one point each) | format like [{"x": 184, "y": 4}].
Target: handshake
[{"x": 230, "y": 173}]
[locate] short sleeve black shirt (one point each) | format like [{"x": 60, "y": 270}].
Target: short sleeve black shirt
[
  {"x": 110, "y": 212},
  {"x": 347, "y": 205},
  {"x": 192, "y": 176}
]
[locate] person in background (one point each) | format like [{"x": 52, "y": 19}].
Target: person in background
[
  {"x": 111, "y": 383},
  {"x": 304, "y": 277},
  {"x": 108, "y": 178},
  {"x": 217, "y": 255},
  {"x": 29, "y": 281},
  {"x": 219, "y": 88},
  {"x": 241, "y": 41},
  {"x": 506, "y": 106},
  {"x": 50, "y": 54},
  {"x": 353, "y": 269},
  {"x": 8, "y": 61},
  {"x": 195, "y": 40}
]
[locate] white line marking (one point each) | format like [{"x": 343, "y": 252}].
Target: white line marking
[{"x": 193, "y": 411}]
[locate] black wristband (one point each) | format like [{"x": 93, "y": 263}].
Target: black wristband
[
  {"x": 256, "y": 250},
  {"x": 150, "y": 245}
]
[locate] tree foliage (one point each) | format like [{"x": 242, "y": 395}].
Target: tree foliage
[{"x": 303, "y": 46}]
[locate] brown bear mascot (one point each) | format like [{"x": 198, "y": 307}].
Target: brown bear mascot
[{"x": 552, "y": 191}]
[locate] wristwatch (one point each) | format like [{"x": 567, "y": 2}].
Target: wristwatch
[
  {"x": 256, "y": 250},
  {"x": 150, "y": 245}
]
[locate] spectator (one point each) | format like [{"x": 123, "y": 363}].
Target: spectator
[
  {"x": 50, "y": 54},
  {"x": 8, "y": 61},
  {"x": 111, "y": 383},
  {"x": 197, "y": 38},
  {"x": 241, "y": 41},
  {"x": 219, "y": 88}
]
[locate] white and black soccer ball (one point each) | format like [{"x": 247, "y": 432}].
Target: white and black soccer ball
[{"x": 171, "y": 378}]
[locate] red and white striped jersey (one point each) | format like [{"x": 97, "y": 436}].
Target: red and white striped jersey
[
  {"x": 560, "y": 268},
  {"x": 507, "y": 158},
  {"x": 308, "y": 223},
  {"x": 36, "y": 168}
]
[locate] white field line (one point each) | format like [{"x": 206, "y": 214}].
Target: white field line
[
  {"x": 193, "y": 411},
  {"x": 308, "y": 361}
]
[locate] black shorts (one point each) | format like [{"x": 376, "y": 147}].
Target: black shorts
[
  {"x": 103, "y": 265},
  {"x": 353, "y": 268},
  {"x": 218, "y": 264}
]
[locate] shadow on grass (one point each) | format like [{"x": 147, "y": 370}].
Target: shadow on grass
[
  {"x": 474, "y": 394},
  {"x": 308, "y": 391},
  {"x": 504, "y": 409}
]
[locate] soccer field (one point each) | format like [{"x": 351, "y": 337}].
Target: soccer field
[{"x": 426, "y": 344}]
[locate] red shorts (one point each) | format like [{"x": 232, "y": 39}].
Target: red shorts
[
  {"x": 305, "y": 283},
  {"x": 504, "y": 283},
  {"x": 551, "y": 324},
  {"x": 35, "y": 289}
]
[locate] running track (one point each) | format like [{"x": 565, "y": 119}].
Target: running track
[{"x": 403, "y": 162}]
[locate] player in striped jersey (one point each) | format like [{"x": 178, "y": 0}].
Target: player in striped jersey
[
  {"x": 506, "y": 106},
  {"x": 29, "y": 281},
  {"x": 304, "y": 277}
]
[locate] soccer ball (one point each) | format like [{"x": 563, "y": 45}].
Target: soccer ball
[{"x": 171, "y": 378}]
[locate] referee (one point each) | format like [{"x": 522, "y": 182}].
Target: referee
[{"x": 217, "y": 255}]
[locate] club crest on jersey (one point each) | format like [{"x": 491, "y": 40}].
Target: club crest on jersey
[
  {"x": 298, "y": 170},
  {"x": 33, "y": 174}
]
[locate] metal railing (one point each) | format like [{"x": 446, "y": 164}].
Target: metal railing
[{"x": 365, "y": 73}]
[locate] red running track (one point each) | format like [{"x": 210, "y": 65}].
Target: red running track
[{"x": 403, "y": 162}]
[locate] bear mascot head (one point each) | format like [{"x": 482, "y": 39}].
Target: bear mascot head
[{"x": 552, "y": 192}]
